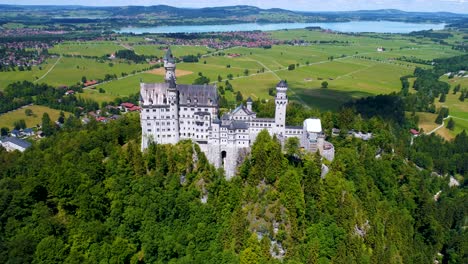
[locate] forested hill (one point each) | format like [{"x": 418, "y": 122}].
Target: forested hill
[
  {"x": 163, "y": 14},
  {"x": 88, "y": 195}
]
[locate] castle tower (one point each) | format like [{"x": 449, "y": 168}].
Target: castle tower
[
  {"x": 173, "y": 101},
  {"x": 169, "y": 65},
  {"x": 281, "y": 101},
  {"x": 249, "y": 104}
]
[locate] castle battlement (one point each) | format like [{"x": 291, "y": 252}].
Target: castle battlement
[{"x": 171, "y": 112}]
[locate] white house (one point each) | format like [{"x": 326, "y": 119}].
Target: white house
[{"x": 13, "y": 143}]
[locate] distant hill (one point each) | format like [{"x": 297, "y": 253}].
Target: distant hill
[{"x": 164, "y": 14}]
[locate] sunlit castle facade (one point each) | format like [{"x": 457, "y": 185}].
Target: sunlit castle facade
[{"x": 171, "y": 112}]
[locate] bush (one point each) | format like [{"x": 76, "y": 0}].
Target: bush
[{"x": 325, "y": 84}]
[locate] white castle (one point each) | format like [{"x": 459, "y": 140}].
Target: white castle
[{"x": 171, "y": 112}]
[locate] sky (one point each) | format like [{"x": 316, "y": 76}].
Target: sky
[{"x": 457, "y": 6}]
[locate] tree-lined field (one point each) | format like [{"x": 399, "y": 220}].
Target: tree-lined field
[
  {"x": 8, "y": 119},
  {"x": 35, "y": 73}
]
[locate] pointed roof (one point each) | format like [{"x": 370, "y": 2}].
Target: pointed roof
[
  {"x": 282, "y": 83},
  {"x": 169, "y": 57},
  {"x": 249, "y": 100},
  {"x": 243, "y": 108}
]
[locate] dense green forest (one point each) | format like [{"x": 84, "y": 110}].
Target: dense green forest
[{"x": 89, "y": 195}]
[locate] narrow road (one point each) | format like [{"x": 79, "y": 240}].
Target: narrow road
[
  {"x": 51, "y": 68},
  {"x": 441, "y": 126}
]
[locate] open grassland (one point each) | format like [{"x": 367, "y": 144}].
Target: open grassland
[
  {"x": 36, "y": 72},
  {"x": 95, "y": 95},
  {"x": 88, "y": 48},
  {"x": 70, "y": 70},
  {"x": 455, "y": 106},
  {"x": 8, "y": 119},
  {"x": 259, "y": 90},
  {"x": 129, "y": 85},
  {"x": 427, "y": 123},
  {"x": 209, "y": 70},
  {"x": 457, "y": 110},
  {"x": 178, "y": 51}
]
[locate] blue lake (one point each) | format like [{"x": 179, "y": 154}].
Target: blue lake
[{"x": 354, "y": 26}]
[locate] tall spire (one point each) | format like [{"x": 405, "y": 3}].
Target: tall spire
[
  {"x": 169, "y": 65},
  {"x": 169, "y": 57}
]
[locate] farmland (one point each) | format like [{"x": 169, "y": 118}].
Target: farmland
[
  {"x": 89, "y": 48},
  {"x": 350, "y": 64}
]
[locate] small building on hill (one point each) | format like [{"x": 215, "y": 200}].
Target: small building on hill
[
  {"x": 12, "y": 144},
  {"x": 414, "y": 132}
]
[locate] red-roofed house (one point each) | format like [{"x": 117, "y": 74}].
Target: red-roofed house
[
  {"x": 135, "y": 108},
  {"x": 414, "y": 132},
  {"x": 88, "y": 83},
  {"x": 101, "y": 119},
  {"x": 127, "y": 105},
  {"x": 69, "y": 92}
]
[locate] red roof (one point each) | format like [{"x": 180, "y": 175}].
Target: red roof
[
  {"x": 101, "y": 118},
  {"x": 135, "y": 108},
  {"x": 127, "y": 105},
  {"x": 70, "y": 92},
  {"x": 88, "y": 83},
  {"x": 414, "y": 131}
]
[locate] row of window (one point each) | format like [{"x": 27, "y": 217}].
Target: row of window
[
  {"x": 193, "y": 109},
  {"x": 196, "y": 117},
  {"x": 196, "y": 101},
  {"x": 260, "y": 125},
  {"x": 163, "y": 136},
  {"x": 157, "y": 129},
  {"x": 161, "y": 117},
  {"x": 293, "y": 131},
  {"x": 241, "y": 118},
  {"x": 162, "y": 123},
  {"x": 193, "y": 123}
]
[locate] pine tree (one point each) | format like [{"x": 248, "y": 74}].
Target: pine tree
[
  {"x": 47, "y": 127},
  {"x": 456, "y": 89},
  {"x": 451, "y": 124},
  {"x": 440, "y": 119},
  {"x": 442, "y": 98},
  {"x": 239, "y": 96}
]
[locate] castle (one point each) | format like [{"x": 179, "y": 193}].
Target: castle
[{"x": 171, "y": 112}]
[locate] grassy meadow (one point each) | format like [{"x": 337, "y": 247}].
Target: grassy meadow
[
  {"x": 8, "y": 119},
  {"x": 88, "y": 48},
  {"x": 352, "y": 66}
]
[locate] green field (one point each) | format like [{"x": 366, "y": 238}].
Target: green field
[
  {"x": 352, "y": 66},
  {"x": 96, "y": 96},
  {"x": 89, "y": 48},
  {"x": 8, "y": 119},
  {"x": 457, "y": 110},
  {"x": 130, "y": 85},
  {"x": 36, "y": 72},
  {"x": 178, "y": 51},
  {"x": 70, "y": 70}
]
